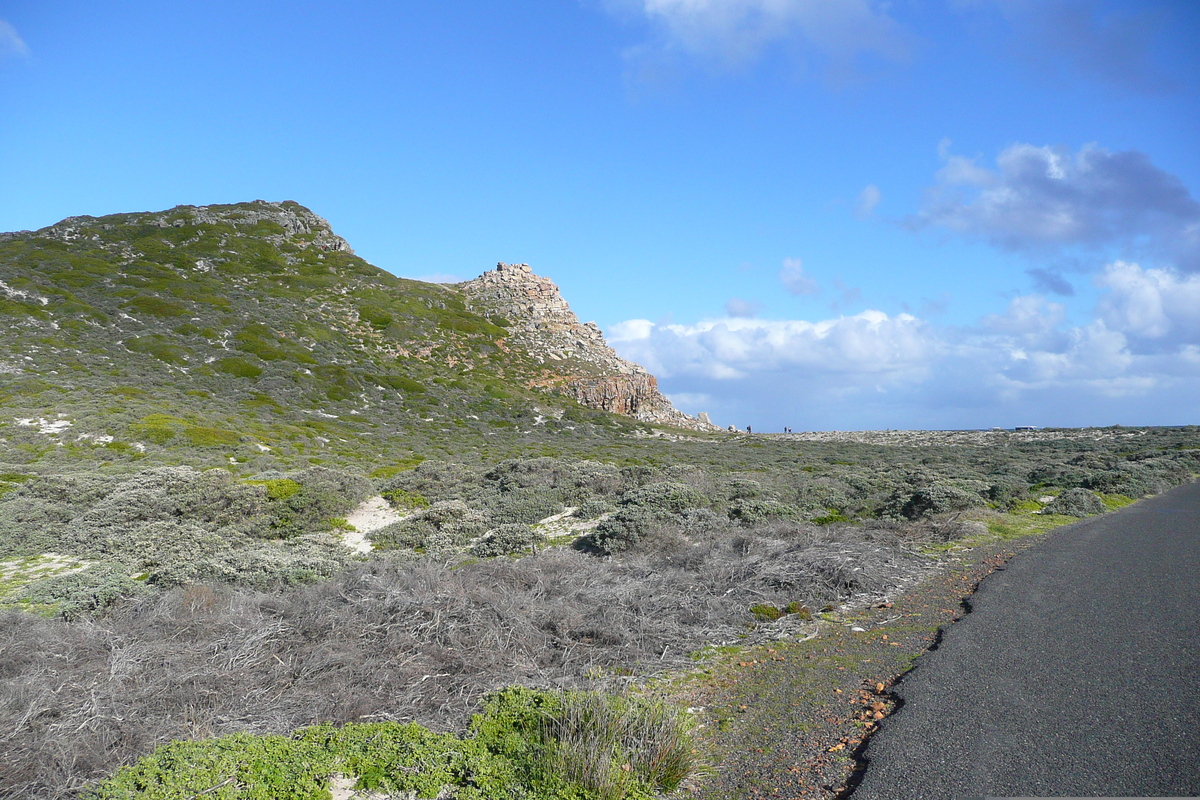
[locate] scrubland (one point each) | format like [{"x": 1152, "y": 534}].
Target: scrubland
[{"x": 189, "y": 604}]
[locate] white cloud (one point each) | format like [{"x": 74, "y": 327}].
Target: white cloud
[
  {"x": 870, "y": 343},
  {"x": 1136, "y": 361},
  {"x": 1045, "y": 198},
  {"x": 795, "y": 279},
  {"x": 1028, "y": 315},
  {"x": 1151, "y": 303},
  {"x": 868, "y": 198},
  {"x": 739, "y": 31},
  {"x": 11, "y": 43}
]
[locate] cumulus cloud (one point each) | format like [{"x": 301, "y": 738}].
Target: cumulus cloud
[
  {"x": 11, "y": 43},
  {"x": 1136, "y": 360},
  {"x": 1151, "y": 303},
  {"x": 740, "y": 31},
  {"x": 1042, "y": 198},
  {"x": 736, "y": 307},
  {"x": 868, "y": 198},
  {"x": 870, "y": 343},
  {"x": 795, "y": 279}
]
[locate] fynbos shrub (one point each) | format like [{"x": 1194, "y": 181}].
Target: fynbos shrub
[{"x": 1075, "y": 503}]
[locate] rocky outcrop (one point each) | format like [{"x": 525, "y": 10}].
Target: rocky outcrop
[
  {"x": 544, "y": 325},
  {"x": 296, "y": 224}
]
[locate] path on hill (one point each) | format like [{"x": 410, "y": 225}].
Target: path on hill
[{"x": 1077, "y": 672}]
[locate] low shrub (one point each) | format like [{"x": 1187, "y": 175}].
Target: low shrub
[
  {"x": 277, "y": 488},
  {"x": 508, "y": 538},
  {"x": 237, "y": 367},
  {"x": 1075, "y": 503},
  {"x": 524, "y": 745},
  {"x": 766, "y": 613},
  {"x": 389, "y": 757},
  {"x": 757, "y": 512},
  {"x": 698, "y": 522},
  {"x": 938, "y": 498},
  {"x": 78, "y": 594},
  {"x": 619, "y": 532},
  {"x": 523, "y": 505},
  {"x": 444, "y": 525},
  {"x": 264, "y": 567},
  {"x": 590, "y": 509},
  {"x": 664, "y": 497},
  {"x": 589, "y": 744},
  {"x": 405, "y": 500},
  {"x": 375, "y": 316}
]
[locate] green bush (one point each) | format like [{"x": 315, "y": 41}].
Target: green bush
[
  {"x": 376, "y": 317},
  {"x": 156, "y": 428},
  {"x": 158, "y": 346},
  {"x": 200, "y": 436},
  {"x": 523, "y": 505},
  {"x": 590, "y": 509},
  {"x": 399, "y": 383},
  {"x": 508, "y": 538},
  {"x": 620, "y": 532},
  {"x": 1075, "y": 503},
  {"x": 443, "y": 525},
  {"x": 156, "y": 306},
  {"x": 277, "y": 488},
  {"x": 588, "y": 745},
  {"x": 756, "y": 512},
  {"x": 404, "y": 500},
  {"x": 664, "y": 497},
  {"x": 81, "y": 593},
  {"x": 766, "y": 613},
  {"x": 525, "y": 745},
  {"x": 937, "y": 499},
  {"x": 237, "y": 367}
]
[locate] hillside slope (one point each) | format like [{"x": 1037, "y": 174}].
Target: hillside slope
[{"x": 251, "y": 334}]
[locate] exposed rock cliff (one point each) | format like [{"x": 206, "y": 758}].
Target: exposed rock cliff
[{"x": 586, "y": 367}]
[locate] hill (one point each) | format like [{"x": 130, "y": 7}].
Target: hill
[{"x": 251, "y": 335}]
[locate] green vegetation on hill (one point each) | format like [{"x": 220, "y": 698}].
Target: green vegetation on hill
[{"x": 268, "y": 350}]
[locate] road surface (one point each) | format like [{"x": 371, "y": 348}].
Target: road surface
[{"x": 1077, "y": 672}]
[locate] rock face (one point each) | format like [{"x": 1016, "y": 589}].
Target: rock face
[{"x": 589, "y": 370}]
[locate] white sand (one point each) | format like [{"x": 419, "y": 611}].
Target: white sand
[{"x": 373, "y": 514}]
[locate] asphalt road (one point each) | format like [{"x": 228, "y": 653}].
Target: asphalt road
[{"x": 1077, "y": 672}]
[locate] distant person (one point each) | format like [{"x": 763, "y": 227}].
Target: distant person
[{"x": 749, "y": 429}]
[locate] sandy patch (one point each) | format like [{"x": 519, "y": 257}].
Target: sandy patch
[
  {"x": 563, "y": 524},
  {"x": 371, "y": 515},
  {"x": 342, "y": 788}
]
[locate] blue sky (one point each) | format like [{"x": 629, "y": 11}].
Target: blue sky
[{"x": 826, "y": 214}]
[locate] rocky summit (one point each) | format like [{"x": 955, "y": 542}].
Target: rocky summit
[{"x": 588, "y": 369}]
